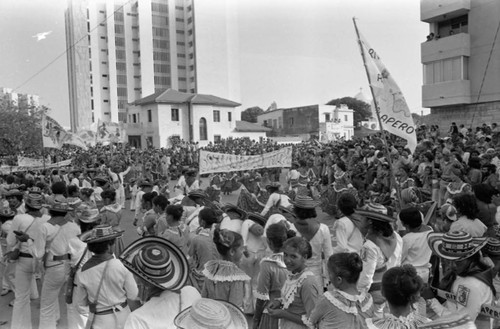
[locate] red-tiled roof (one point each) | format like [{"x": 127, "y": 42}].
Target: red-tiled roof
[
  {"x": 244, "y": 126},
  {"x": 171, "y": 96}
]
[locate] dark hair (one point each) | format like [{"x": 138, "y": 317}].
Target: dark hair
[
  {"x": 209, "y": 216},
  {"x": 54, "y": 213},
  {"x": 108, "y": 194},
  {"x": 466, "y": 205},
  {"x": 300, "y": 244},
  {"x": 100, "y": 247},
  {"x": 347, "y": 265},
  {"x": 72, "y": 189},
  {"x": 383, "y": 228},
  {"x": 85, "y": 227},
  {"x": 226, "y": 241},
  {"x": 411, "y": 217},
  {"x": 302, "y": 213},
  {"x": 347, "y": 203},
  {"x": 30, "y": 209},
  {"x": 161, "y": 201},
  {"x": 272, "y": 189},
  {"x": 175, "y": 211},
  {"x": 484, "y": 192},
  {"x": 341, "y": 165},
  {"x": 87, "y": 191},
  {"x": 278, "y": 234},
  {"x": 58, "y": 188},
  {"x": 475, "y": 162},
  {"x": 10, "y": 179},
  {"x": 401, "y": 285},
  {"x": 148, "y": 197},
  {"x": 429, "y": 156}
]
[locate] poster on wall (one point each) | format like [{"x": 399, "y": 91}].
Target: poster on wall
[{"x": 211, "y": 162}]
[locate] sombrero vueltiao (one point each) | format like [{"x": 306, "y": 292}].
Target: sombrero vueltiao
[
  {"x": 100, "y": 233},
  {"x": 238, "y": 212},
  {"x": 157, "y": 261},
  {"x": 257, "y": 218},
  {"x": 208, "y": 313},
  {"x": 492, "y": 247},
  {"x": 455, "y": 245},
  {"x": 304, "y": 202}
]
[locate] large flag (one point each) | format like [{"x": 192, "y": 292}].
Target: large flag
[
  {"x": 394, "y": 113},
  {"x": 54, "y": 135},
  {"x": 110, "y": 132}
]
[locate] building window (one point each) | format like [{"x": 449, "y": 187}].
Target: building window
[
  {"x": 453, "y": 26},
  {"x": 450, "y": 69},
  {"x": 217, "y": 139},
  {"x": 134, "y": 118},
  {"x": 122, "y": 117},
  {"x": 150, "y": 116},
  {"x": 327, "y": 117},
  {"x": 275, "y": 123},
  {"x": 345, "y": 118},
  {"x": 216, "y": 116},
  {"x": 203, "y": 129},
  {"x": 229, "y": 116},
  {"x": 106, "y": 101},
  {"x": 280, "y": 122},
  {"x": 175, "y": 114},
  {"x": 149, "y": 141},
  {"x": 291, "y": 122}
]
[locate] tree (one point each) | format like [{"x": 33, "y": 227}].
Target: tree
[
  {"x": 20, "y": 129},
  {"x": 251, "y": 113},
  {"x": 362, "y": 110}
]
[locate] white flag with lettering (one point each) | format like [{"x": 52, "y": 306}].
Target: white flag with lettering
[{"x": 394, "y": 112}]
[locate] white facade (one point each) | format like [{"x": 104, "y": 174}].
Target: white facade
[
  {"x": 272, "y": 118},
  {"x": 124, "y": 50},
  {"x": 336, "y": 122},
  {"x": 19, "y": 99}
]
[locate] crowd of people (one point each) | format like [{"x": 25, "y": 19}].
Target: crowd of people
[{"x": 355, "y": 234}]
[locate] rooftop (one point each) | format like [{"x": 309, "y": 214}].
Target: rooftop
[
  {"x": 171, "y": 96},
  {"x": 245, "y": 126}
]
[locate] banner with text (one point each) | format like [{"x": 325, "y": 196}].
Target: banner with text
[
  {"x": 28, "y": 162},
  {"x": 219, "y": 162},
  {"x": 6, "y": 170}
]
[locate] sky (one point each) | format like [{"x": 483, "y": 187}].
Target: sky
[{"x": 293, "y": 52}]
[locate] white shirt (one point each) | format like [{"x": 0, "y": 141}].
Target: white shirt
[
  {"x": 349, "y": 237},
  {"x": 416, "y": 250},
  {"x": 475, "y": 227},
  {"x": 273, "y": 200},
  {"x": 21, "y": 223},
  {"x": 160, "y": 312},
  {"x": 58, "y": 237},
  {"x": 117, "y": 286}
]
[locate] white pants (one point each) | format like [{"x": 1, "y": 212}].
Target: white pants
[
  {"x": 53, "y": 280},
  {"x": 114, "y": 320},
  {"x": 21, "y": 314},
  {"x": 120, "y": 196}
]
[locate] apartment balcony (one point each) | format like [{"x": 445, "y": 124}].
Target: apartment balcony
[
  {"x": 446, "y": 93},
  {"x": 446, "y": 47},
  {"x": 438, "y": 10}
]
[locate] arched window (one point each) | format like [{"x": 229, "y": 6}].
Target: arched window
[{"x": 203, "y": 129}]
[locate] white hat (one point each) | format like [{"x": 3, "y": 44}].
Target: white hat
[{"x": 207, "y": 313}]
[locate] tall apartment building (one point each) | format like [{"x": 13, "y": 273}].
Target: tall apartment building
[
  {"x": 123, "y": 50},
  {"x": 454, "y": 58}
]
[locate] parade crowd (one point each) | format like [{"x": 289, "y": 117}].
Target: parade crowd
[{"x": 355, "y": 234}]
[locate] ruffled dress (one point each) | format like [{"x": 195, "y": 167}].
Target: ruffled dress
[
  {"x": 224, "y": 281},
  {"x": 340, "y": 310},
  {"x": 299, "y": 295},
  {"x": 272, "y": 276},
  {"x": 389, "y": 321},
  {"x": 112, "y": 215}
]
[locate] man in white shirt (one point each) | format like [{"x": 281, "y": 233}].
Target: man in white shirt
[{"x": 348, "y": 229}]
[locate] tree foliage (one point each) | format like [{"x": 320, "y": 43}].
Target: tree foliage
[
  {"x": 20, "y": 129},
  {"x": 251, "y": 113},
  {"x": 362, "y": 110}
]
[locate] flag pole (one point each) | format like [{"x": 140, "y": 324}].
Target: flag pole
[
  {"x": 384, "y": 133},
  {"x": 43, "y": 146}
]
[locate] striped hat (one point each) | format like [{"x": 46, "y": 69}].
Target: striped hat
[
  {"x": 455, "y": 245},
  {"x": 100, "y": 233},
  {"x": 34, "y": 200},
  {"x": 208, "y": 313},
  {"x": 456, "y": 321},
  {"x": 304, "y": 202},
  {"x": 375, "y": 207},
  {"x": 492, "y": 247},
  {"x": 157, "y": 261}
]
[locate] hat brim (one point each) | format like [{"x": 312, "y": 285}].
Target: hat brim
[
  {"x": 232, "y": 208},
  {"x": 34, "y": 206},
  {"x": 88, "y": 220},
  {"x": 435, "y": 241},
  {"x": 257, "y": 218},
  {"x": 13, "y": 193},
  {"x": 309, "y": 205},
  {"x": 179, "y": 262},
  {"x": 184, "y": 319},
  {"x": 375, "y": 216},
  {"x": 86, "y": 237}
]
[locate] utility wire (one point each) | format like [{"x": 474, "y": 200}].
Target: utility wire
[{"x": 69, "y": 48}]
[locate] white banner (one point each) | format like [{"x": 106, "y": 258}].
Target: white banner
[
  {"x": 393, "y": 110},
  {"x": 220, "y": 162},
  {"x": 6, "y": 170},
  {"x": 28, "y": 162}
]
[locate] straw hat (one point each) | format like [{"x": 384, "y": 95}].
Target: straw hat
[
  {"x": 257, "y": 218},
  {"x": 7, "y": 213},
  {"x": 13, "y": 191},
  {"x": 86, "y": 214},
  {"x": 157, "y": 261},
  {"x": 34, "y": 200},
  {"x": 455, "y": 245},
  {"x": 100, "y": 233},
  {"x": 234, "y": 212},
  {"x": 492, "y": 247},
  {"x": 145, "y": 183},
  {"x": 304, "y": 202},
  {"x": 101, "y": 178},
  {"x": 375, "y": 207},
  {"x": 275, "y": 185},
  {"x": 35, "y": 189},
  {"x": 197, "y": 194},
  {"x": 59, "y": 207},
  {"x": 375, "y": 216},
  {"x": 211, "y": 314}
]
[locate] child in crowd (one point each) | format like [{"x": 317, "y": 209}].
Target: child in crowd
[
  {"x": 343, "y": 307},
  {"x": 176, "y": 231},
  {"x": 160, "y": 203},
  {"x": 149, "y": 218},
  {"x": 224, "y": 280},
  {"x": 301, "y": 289},
  {"x": 111, "y": 214},
  {"x": 271, "y": 277}
]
